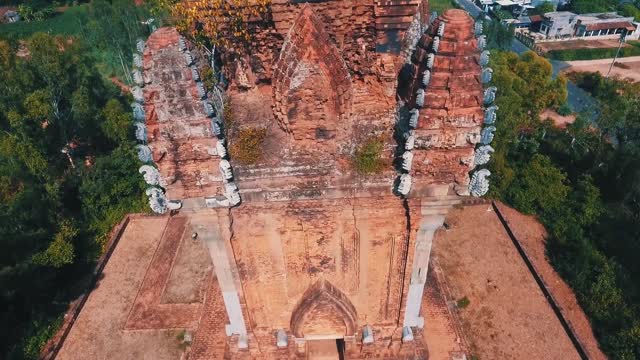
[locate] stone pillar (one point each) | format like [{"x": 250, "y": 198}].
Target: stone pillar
[
  {"x": 428, "y": 225},
  {"x": 207, "y": 229}
]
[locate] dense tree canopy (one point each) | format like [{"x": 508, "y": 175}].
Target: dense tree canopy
[
  {"x": 67, "y": 174},
  {"x": 582, "y": 182}
]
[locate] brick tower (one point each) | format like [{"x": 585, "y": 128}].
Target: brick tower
[{"x": 314, "y": 258}]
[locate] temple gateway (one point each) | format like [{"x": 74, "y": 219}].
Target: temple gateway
[{"x": 311, "y": 255}]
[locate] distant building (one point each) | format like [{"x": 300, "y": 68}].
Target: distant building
[
  {"x": 605, "y": 24},
  {"x": 565, "y": 24},
  {"x": 558, "y": 24}
]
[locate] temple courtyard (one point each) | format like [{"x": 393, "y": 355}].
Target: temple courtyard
[{"x": 157, "y": 297}]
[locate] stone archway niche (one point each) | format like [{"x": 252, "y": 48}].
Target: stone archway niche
[
  {"x": 312, "y": 85},
  {"x": 323, "y": 312}
]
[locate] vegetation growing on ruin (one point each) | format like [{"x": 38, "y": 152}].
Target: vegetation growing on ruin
[
  {"x": 108, "y": 29},
  {"x": 440, "y": 6},
  {"x": 581, "y": 182},
  {"x": 463, "y": 303},
  {"x": 247, "y": 145},
  {"x": 368, "y": 156},
  {"x": 68, "y": 173},
  {"x": 215, "y": 23}
]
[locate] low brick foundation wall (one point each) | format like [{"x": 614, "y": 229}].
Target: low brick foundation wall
[{"x": 51, "y": 348}]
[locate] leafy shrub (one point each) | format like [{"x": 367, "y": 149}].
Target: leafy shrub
[
  {"x": 368, "y": 156},
  {"x": 592, "y": 54},
  {"x": 463, "y": 303},
  {"x": 246, "y": 147},
  {"x": 565, "y": 110}
]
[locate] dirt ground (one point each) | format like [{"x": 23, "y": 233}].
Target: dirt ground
[
  {"x": 559, "y": 120},
  {"x": 625, "y": 68},
  {"x": 508, "y": 316},
  {"x": 99, "y": 332},
  {"x": 578, "y": 44},
  {"x": 193, "y": 264},
  {"x": 531, "y": 235},
  {"x": 139, "y": 308}
]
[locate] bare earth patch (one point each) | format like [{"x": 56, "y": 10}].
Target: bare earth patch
[
  {"x": 127, "y": 298},
  {"x": 193, "y": 264},
  {"x": 627, "y": 68},
  {"x": 578, "y": 44},
  {"x": 531, "y": 235},
  {"x": 559, "y": 120},
  {"x": 507, "y": 317}
]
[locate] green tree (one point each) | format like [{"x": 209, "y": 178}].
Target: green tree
[{"x": 543, "y": 8}]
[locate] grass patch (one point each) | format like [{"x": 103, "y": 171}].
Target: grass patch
[
  {"x": 463, "y": 303},
  {"x": 441, "y": 5},
  {"x": 593, "y": 54},
  {"x": 367, "y": 159},
  {"x": 246, "y": 147},
  {"x": 65, "y": 23}
]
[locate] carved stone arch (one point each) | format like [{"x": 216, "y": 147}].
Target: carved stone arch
[
  {"x": 323, "y": 310},
  {"x": 311, "y": 82}
]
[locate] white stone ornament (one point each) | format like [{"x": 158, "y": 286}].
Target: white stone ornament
[
  {"x": 405, "y": 184},
  {"x": 484, "y": 58},
  {"x": 174, "y": 204},
  {"x": 435, "y": 45},
  {"x": 141, "y": 131},
  {"x": 487, "y": 75},
  {"x": 367, "y": 335},
  {"x": 407, "y": 160},
  {"x": 188, "y": 59},
  {"x": 410, "y": 141},
  {"x": 231, "y": 193},
  {"x": 440, "y": 31},
  {"x": 407, "y": 334},
  {"x": 138, "y": 96},
  {"x": 208, "y": 108},
  {"x": 202, "y": 92},
  {"x": 413, "y": 119},
  {"x": 479, "y": 184},
  {"x": 482, "y": 155},
  {"x": 221, "y": 149},
  {"x": 490, "y": 115},
  {"x": 430, "y": 60},
  {"x": 478, "y": 27},
  {"x": 157, "y": 200},
  {"x": 217, "y": 129},
  {"x": 137, "y": 60},
  {"x": 225, "y": 170},
  {"x": 420, "y": 98},
  {"x": 195, "y": 74},
  {"x": 140, "y": 46},
  {"x": 482, "y": 42},
  {"x": 426, "y": 78},
  {"x": 137, "y": 77},
  {"x": 281, "y": 339},
  {"x": 144, "y": 153},
  {"x": 151, "y": 175},
  {"x": 138, "y": 111},
  {"x": 490, "y": 95},
  {"x": 486, "y": 137}
]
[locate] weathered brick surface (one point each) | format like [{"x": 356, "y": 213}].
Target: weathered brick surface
[
  {"x": 179, "y": 132},
  {"x": 449, "y": 125},
  {"x": 320, "y": 249},
  {"x": 210, "y": 340},
  {"x": 147, "y": 311}
]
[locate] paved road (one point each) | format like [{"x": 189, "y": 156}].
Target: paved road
[
  {"x": 470, "y": 7},
  {"x": 579, "y": 100}
]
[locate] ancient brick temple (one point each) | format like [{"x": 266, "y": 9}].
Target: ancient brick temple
[{"x": 310, "y": 255}]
